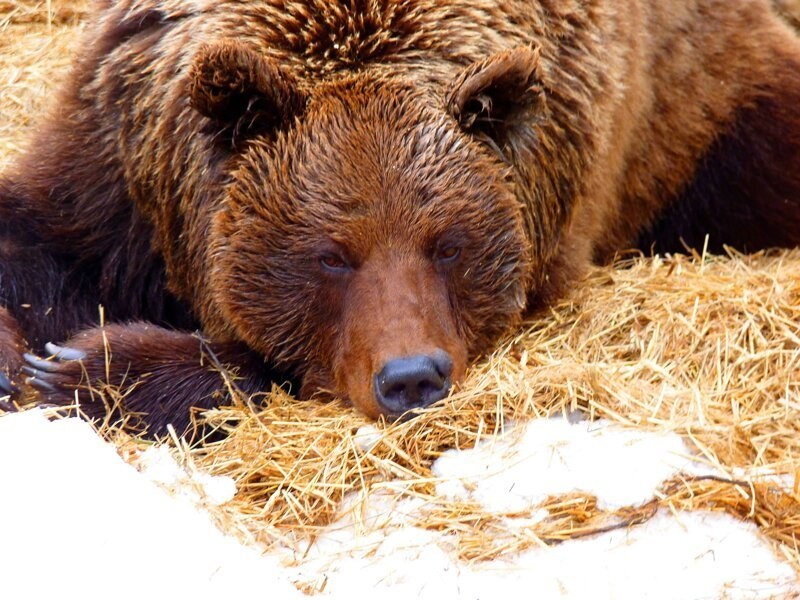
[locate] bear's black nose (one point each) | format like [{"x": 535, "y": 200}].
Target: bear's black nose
[{"x": 413, "y": 382}]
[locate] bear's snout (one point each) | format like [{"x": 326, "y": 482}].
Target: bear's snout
[{"x": 413, "y": 382}]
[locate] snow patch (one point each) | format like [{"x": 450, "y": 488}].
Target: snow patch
[
  {"x": 76, "y": 519},
  {"x": 159, "y": 466},
  {"x": 551, "y": 457},
  {"x": 699, "y": 555}
]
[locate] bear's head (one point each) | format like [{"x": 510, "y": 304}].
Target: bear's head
[{"x": 370, "y": 238}]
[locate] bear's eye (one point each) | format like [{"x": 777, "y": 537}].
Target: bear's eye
[
  {"x": 334, "y": 263},
  {"x": 447, "y": 254}
]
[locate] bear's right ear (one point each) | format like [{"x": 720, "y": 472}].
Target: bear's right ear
[
  {"x": 492, "y": 96},
  {"x": 243, "y": 92}
]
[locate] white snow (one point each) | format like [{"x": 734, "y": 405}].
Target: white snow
[
  {"x": 198, "y": 487},
  {"x": 76, "y": 519},
  {"x": 548, "y": 457},
  {"x": 696, "y": 556},
  {"x": 367, "y": 437}
]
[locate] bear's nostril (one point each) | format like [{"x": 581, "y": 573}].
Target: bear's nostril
[{"x": 413, "y": 382}]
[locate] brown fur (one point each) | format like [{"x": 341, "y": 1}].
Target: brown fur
[
  {"x": 13, "y": 344},
  {"x": 329, "y": 186}
]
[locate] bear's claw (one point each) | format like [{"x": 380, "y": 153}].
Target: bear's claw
[
  {"x": 40, "y": 384},
  {"x": 39, "y": 371},
  {"x": 7, "y": 387},
  {"x": 64, "y": 353},
  {"x": 43, "y": 373},
  {"x": 35, "y": 364}
]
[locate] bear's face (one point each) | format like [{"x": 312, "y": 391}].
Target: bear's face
[{"x": 371, "y": 245}]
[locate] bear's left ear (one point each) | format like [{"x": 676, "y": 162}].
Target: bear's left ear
[
  {"x": 243, "y": 92},
  {"x": 493, "y": 95}
]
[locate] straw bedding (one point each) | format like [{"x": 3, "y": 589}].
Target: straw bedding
[{"x": 708, "y": 347}]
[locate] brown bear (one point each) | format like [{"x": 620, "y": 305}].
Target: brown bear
[{"x": 363, "y": 195}]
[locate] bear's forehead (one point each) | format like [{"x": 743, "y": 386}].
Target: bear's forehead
[
  {"x": 326, "y": 36},
  {"x": 376, "y": 149},
  {"x": 381, "y": 144},
  {"x": 358, "y": 30}
]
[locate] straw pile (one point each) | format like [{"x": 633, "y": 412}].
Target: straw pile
[
  {"x": 35, "y": 40},
  {"x": 708, "y": 347}
]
